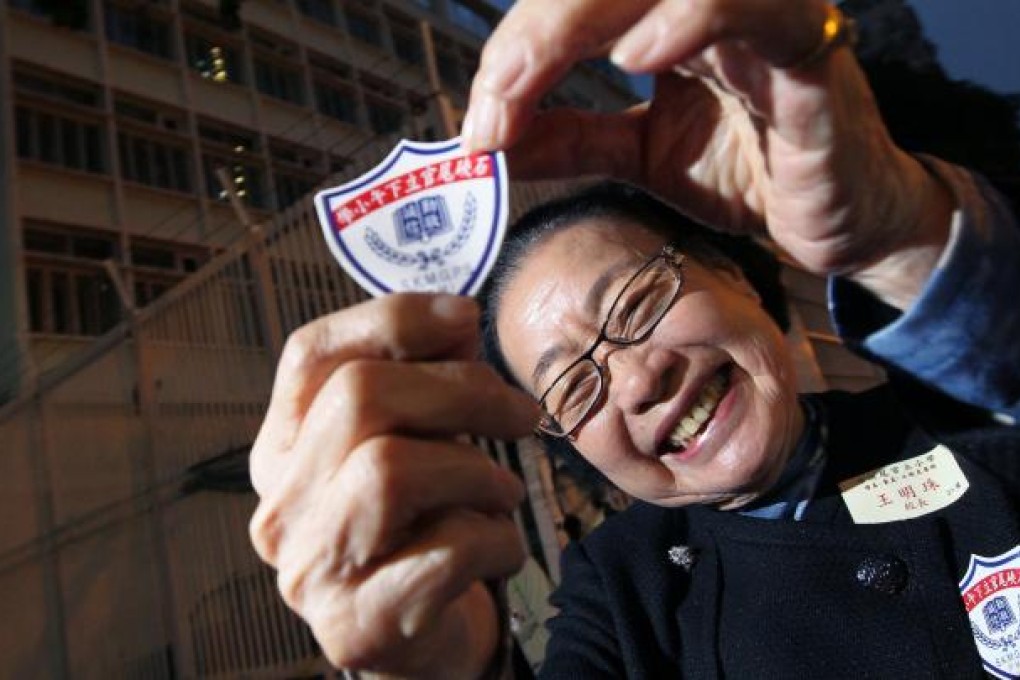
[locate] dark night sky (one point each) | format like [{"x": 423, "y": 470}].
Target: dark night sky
[{"x": 976, "y": 39}]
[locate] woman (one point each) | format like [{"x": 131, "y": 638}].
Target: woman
[
  {"x": 580, "y": 501},
  {"x": 385, "y": 527},
  {"x": 655, "y": 349}
]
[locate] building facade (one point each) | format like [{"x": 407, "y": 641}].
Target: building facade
[
  {"x": 141, "y": 316},
  {"x": 118, "y": 113}
]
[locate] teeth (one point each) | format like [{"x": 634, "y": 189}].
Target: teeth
[{"x": 702, "y": 411}]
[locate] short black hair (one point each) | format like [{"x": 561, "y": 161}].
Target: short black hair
[{"x": 619, "y": 200}]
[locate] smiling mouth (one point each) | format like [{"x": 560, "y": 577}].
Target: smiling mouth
[{"x": 697, "y": 418}]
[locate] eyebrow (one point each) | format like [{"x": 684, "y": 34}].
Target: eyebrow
[{"x": 592, "y": 304}]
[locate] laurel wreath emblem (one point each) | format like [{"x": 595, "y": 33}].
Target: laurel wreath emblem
[
  {"x": 1006, "y": 642},
  {"x": 424, "y": 259}
]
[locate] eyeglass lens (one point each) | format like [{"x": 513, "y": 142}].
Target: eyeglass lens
[{"x": 637, "y": 310}]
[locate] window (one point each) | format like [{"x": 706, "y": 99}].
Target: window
[
  {"x": 212, "y": 59},
  {"x": 291, "y": 188},
  {"x": 276, "y": 72},
  {"x": 172, "y": 257},
  {"x": 154, "y": 256},
  {"x": 334, "y": 94},
  {"x": 83, "y": 243},
  {"x": 363, "y": 26},
  {"x": 248, "y": 178},
  {"x": 406, "y": 39},
  {"x": 383, "y": 116},
  {"x": 278, "y": 80},
  {"x": 69, "y": 14},
  {"x": 149, "y": 150},
  {"x": 158, "y": 266},
  {"x": 234, "y": 139},
  {"x": 336, "y": 102},
  {"x": 141, "y": 28},
  {"x": 235, "y": 149},
  {"x": 447, "y": 62},
  {"x": 295, "y": 172},
  {"x": 383, "y": 103},
  {"x": 320, "y": 10},
  {"x": 72, "y": 143},
  {"x": 149, "y": 289},
  {"x": 300, "y": 157},
  {"x": 57, "y": 89},
  {"x": 69, "y": 292},
  {"x": 154, "y": 163}
]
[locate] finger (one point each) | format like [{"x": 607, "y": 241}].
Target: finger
[
  {"x": 672, "y": 33},
  {"x": 402, "y": 326},
  {"x": 530, "y": 51},
  {"x": 669, "y": 34},
  {"x": 375, "y": 502},
  {"x": 427, "y": 576},
  {"x": 414, "y": 589},
  {"x": 570, "y": 142},
  {"x": 391, "y": 484},
  {"x": 365, "y": 399}
]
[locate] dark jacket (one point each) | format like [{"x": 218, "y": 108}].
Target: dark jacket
[{"x": 819, "y": 598}]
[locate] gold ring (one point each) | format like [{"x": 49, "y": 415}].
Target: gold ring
[{"x": 837, "y": 30}]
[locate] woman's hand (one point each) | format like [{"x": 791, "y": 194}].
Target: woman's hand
[
  {"x": 742, "y": 133},
  {"x": 381, "y": 523}
]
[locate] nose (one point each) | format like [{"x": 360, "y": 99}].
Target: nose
[{"x": 637, "y": 377}]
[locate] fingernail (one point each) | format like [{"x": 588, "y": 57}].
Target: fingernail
[
  {"x": 482, "y": 129},
  {"x": 411, "y": 621},
  {"x": 454, "y": 308},
  {"x": 467, "y": 131},
  {"x": 511, "y": 483},
  {"x": 635, "y": 48}
]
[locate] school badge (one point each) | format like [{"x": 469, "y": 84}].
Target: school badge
[
  {"x": 430, "y": 217},
  {"x": 991, "y": 595}
]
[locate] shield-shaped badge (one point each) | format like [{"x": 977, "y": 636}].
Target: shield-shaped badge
[
  {"x": 991, "y": 595},
  {"x": 430, "y": 217}
]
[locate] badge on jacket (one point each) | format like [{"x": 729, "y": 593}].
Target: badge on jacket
[
  {"x": 991, "y": 595},
  {"x": 430, "y": 217},
  {"x": 905, "y": 490}
]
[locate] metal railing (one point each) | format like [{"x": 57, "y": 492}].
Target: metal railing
[{"x": 118, "y": 545}]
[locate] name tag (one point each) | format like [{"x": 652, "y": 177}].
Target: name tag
[{"x": 905, "y": 490}]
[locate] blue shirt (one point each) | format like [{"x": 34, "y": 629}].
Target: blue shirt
[{"x": 962, "y": 334}]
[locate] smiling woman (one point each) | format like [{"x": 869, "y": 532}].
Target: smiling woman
[
  {"x": 658, "y": 364},
  {"x": 773, "y": 534},
  {"x": 673, "y": 378}
]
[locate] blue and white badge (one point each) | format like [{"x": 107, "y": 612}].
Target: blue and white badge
[
  {"x": 991, "y": 596},
  {"x": 428, "y": 218}
]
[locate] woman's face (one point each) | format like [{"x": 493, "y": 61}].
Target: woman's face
[{"x": 716, "y": 364}]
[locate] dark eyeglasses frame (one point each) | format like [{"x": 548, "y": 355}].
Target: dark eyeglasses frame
[{"x": 548, "y": 426}]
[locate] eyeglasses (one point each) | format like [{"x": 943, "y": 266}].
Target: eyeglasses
[{"x": 636, "y": 311}]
